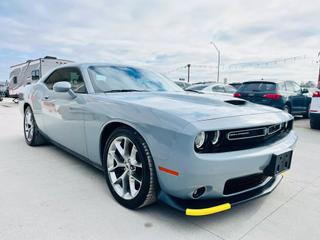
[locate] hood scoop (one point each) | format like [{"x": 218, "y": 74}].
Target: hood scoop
[{"x": 236, "y": 102}]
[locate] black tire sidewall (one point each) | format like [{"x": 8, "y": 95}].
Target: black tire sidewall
[
  {"x": 141, "y": 146},
  {"x": 288, "y": 108}
]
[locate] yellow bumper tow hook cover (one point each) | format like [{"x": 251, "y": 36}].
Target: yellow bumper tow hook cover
[{"x": 208, "y": 211}]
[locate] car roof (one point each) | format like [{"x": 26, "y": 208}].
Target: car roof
[
  {"x": 263, "y": 81},
  {"x": 88, "y": 64}
]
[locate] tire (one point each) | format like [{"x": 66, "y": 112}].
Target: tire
[
  {"x": 314, "y": 124},
  {"x": 134, "y": 157},
  {"x": 307, "y": 114},
  {"x": 31, "y": 131},
  {"x": 287, "y": 109}
]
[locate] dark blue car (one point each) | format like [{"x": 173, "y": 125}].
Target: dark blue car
[{"x": 285, "y": 95}]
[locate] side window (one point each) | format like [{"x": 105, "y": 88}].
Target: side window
[
  {"x": 218, "y": 88},
  {"x": 15, "y": 80},
  {"x": 52, "y": 79},
  {"x": 71, "y": 75},
  {"x": 230, "y": 89},
  {"x": 35, "y": 74}
]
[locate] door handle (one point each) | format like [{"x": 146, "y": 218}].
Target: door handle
[{"x": 45, "y": 98}]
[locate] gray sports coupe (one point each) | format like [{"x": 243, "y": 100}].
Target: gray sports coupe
[{"x": 199, "y": 153}]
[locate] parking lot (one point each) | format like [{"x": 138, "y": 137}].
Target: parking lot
[{"x": 48, "y": 194}]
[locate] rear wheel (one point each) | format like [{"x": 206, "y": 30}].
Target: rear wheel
[
  {"x": 129, "y": 169},
  {"x": 314, "y": 124},
  {"x": 31, "y": 131},
  {"x": 307, "y": 113}
]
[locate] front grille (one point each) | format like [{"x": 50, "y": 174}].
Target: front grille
[
  {"x": 246, "y": 138},
  {"x": 236, "y": 185},
  {"x": 248, "y": 133}
]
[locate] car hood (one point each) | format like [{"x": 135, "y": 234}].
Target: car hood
[{"x": 191, "y": 106}]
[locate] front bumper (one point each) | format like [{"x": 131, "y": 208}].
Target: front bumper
[
  {"x": 213, "y": 170},
  {"x": 211, "y": 206}
]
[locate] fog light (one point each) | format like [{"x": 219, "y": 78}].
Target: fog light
[{"x": 198, "y": 192}]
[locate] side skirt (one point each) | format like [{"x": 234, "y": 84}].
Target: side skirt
[{"x": 83, "y": 158}]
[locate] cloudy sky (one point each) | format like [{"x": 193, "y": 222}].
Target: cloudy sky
[{"x": 254, "y": 36}]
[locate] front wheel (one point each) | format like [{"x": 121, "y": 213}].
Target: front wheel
[
  {"x": 129, "y": 169},
  {"x": 31, "y": 132}
]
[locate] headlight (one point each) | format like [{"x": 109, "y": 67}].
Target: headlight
[
  {"x": 199, "y": 140},
  {"x": 204, "y": 141},
  {"x": 215, "y": 137}
]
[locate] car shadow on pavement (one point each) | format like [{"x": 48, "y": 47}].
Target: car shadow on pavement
[{"x": 160, "y": 210}]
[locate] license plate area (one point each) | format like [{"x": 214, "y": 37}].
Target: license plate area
[{"x": 279, "y": 163}]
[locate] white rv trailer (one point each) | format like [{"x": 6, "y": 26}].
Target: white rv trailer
[{"x": 30, "y": 72}]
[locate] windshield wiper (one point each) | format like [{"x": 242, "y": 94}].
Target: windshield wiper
[
  {"x": 191, "y": 90},
  {"x": 125, "y": 90}
]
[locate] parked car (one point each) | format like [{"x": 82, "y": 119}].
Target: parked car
[
  {"x": 236, "y": 85},
  {"x": 155, "y": 141},
  {"x": 182, "y": 84},
  {"x": 315, "y": 110},
  {"x": 197, "y": 87},
  {"x": 285, "y": 95},
  {"x": 219, "y": 88}
]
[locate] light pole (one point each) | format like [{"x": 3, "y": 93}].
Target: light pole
[
  {"x": 219, "y": 59},
  {"x": 188, "y": 66}
]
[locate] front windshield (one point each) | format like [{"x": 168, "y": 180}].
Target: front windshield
[{"x": 122, "y": 78}]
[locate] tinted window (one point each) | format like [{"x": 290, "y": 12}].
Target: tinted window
[
  {"x": 15, "y": 80},
  {"x": 197, "y": 87},
  {"x": 113, "y": 78},
  {"x": 71, "y": 75},
  {"x": 230, "y": 89},
  {"x": 218, "y": 88},
  {"x": 236, "y": 85},
  {"x": 258, "y": 87},
  {"x": 35, "y": 74}
]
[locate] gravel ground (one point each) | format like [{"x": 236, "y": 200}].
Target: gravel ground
[{"x": 45, "y": 193}]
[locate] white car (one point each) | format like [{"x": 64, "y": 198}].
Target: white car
[
  {"x": 315, "y": 110},
  {"x": 219, "y": 88}
]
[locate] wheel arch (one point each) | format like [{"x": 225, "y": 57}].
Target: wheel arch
[
  {"x": 108, "y": 129},
  {"x": 25, "y": 105}
]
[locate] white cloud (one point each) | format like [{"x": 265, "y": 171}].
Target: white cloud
[{"x": 166, "y": 34}]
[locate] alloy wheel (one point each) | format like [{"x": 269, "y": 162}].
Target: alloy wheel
[
  {"x": 28, "y": 125},
  {"x": 124, "y": 168}
]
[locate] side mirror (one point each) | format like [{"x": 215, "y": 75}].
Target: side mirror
[
  {"x": 61, "y": 87},
  {"x": 304, "y": 90}
]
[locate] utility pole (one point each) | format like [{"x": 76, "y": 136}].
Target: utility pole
[
  {"x": 219, "y": 59},
  {"x": 188, "y": 66}
]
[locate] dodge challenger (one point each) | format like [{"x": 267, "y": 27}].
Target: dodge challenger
[{"x": 198, "y": 153}]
